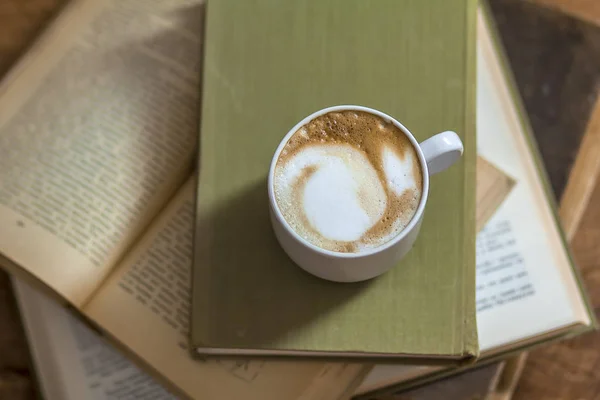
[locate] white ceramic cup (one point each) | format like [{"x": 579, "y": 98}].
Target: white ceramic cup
[{"x": 435, "y": 155}]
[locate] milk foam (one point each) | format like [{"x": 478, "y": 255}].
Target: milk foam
[
  {"x": 398, "y": 172},
  {"x": 347, "y": 197},
  {"x": 342, "y": 199}
]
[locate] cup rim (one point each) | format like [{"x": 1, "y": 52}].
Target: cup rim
[{"x": 334, "y": 254}]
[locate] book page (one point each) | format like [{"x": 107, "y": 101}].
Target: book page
[
  {"x": 526, "y": 287},
  {"x": 98, "y": 128},
  {"x": 145, "y": 304},
  {"x": 502, "y": 276},
  {"x": 72, "y": 361}
]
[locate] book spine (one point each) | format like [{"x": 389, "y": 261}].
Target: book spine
[{"x": 471, "y": 344}]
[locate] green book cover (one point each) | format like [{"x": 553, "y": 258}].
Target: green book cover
[{"x": 267, "y": 65}]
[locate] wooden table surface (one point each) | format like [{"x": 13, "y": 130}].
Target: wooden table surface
[{"x": 554, "y": 51}]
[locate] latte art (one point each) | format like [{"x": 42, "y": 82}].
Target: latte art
[{"x": 348, "y": 181}]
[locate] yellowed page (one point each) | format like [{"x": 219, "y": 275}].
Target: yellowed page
[
  {"x": 542, "y": 295},
  {"x": 98, "y": 128},
  {"x": 145, "y": 304}
]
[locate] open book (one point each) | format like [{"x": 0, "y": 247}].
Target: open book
[
  {"x": 528, "y": 290},
  {"x": 98, "y": 126},
  {"x": 72, "y": 362}
]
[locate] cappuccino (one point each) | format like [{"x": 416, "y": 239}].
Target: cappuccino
[{"x": 348, "y": 181}]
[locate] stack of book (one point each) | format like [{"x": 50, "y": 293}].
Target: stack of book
[{"x": 133, "y": 258}]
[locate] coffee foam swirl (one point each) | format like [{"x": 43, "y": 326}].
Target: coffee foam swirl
[{"x": 348, "y": 181}]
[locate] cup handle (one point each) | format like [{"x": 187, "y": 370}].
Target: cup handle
[{"x": 441, "y": 151}]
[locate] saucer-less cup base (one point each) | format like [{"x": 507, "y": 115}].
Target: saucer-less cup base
[{"x": 435, "y": 155}]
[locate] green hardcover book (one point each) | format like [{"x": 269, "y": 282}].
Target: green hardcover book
[{"x": 267, "y": 65}]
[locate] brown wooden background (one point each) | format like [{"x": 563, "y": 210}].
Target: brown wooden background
[{"x": 553, "y": 47}]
